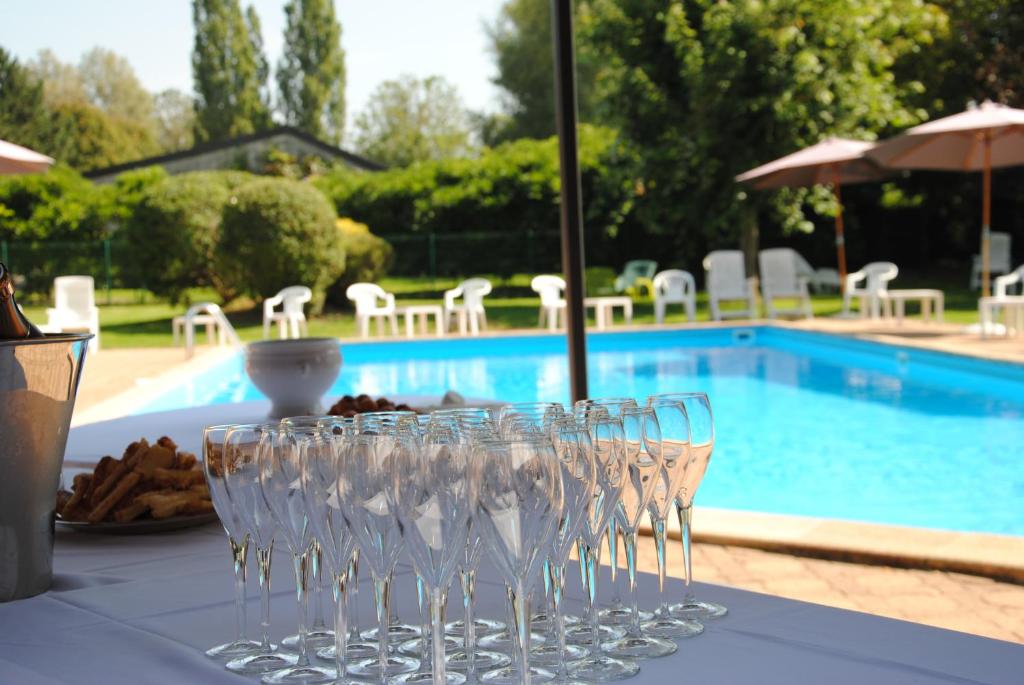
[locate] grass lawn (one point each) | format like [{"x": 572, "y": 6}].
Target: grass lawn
[{"x": 136, "y": 319}]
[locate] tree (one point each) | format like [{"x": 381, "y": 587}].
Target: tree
[
  {"x": 23, "y": 115},
  {"x": 62, "y": 82},
  {"x": 705, "y": 90},
  {"x": 311, "y": 73},
  {"x": 411, "y": 120},
  {"x": 110, "y": 83},
  {"x": 521, "y": 43},
  {"x": 175, "y": 116},
  {"x": 85, "y": 137},
  {"x": 227, "y": 66}
]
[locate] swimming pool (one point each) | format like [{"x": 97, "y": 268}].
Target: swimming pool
[{"x": 808, "y": 423}]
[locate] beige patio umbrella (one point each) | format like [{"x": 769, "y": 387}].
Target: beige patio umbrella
[
  {"x": 834, "y": 162},
  {"x": 15, "y": 159},
  {"x": 983, "y": 138}
]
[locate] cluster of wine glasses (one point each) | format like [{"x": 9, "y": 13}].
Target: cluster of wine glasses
[{"x": 526, "y": 484}]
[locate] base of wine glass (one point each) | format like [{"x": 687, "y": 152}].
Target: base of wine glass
[
  {"x": 483, "y": 660},
  {"x": 353, "y": 650},
  {"x": 640, "y": 647},
  {"x": 581, "y": 634},
  {"x": 370, "y": 668},
  {"x": 232, "y": 650},
  {"x": 502, "y": 642},
  {"x": 697, "y": 609},
  {"x": 484, "y": 626},
  {"x": 509, "y": 675},
  {"x": 621, "y": 616},
  {"x": 672, "y": 628},
  {"x": 300, "y": 675},
  {"x": 414, "y": 647},
  {"x": 264, "y": 662},
  {"x": 427, "y": 678},
  {"x": 549, "y": 654},
  {"x": 397, "y": 632},
  {"x": 315, "y": 639},
  {"x": 601, "y": 668}
]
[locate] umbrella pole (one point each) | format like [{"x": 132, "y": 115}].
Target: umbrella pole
[
  {"x": 840, "y": 234},
  {"x": 986, "y": 213},
  {"x": 571, "y": 201}
]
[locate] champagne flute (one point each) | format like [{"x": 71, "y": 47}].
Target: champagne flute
[{"x": 238, "y": 539}]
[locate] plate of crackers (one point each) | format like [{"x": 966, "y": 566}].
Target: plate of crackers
[{"x": 151, "y": 488}]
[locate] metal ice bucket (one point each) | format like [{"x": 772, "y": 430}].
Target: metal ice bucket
[{"x": 38, "y": 381}]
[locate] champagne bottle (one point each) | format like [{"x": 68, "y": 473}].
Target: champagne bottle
[{"x": 13, "y": 324}]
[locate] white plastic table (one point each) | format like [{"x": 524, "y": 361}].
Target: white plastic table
[
  {"x": 424, "y": 312},
  {"x": 1012, "y": 307},
  {"x": 140, "y": 609},
  {"x": 604, "y": 308},
  {"x": 929, "y": 298}
]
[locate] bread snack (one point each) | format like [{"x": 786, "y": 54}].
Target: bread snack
[
  {"x": 349, "y": 406},
  {"x": 149, "y": 481}
]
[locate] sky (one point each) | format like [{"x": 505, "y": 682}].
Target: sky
[{"x": 382, "y": 39}]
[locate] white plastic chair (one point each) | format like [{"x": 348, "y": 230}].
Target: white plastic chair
[
  {"x": 727, "y": 281},
  {"x": 552, "y": 304},
  {"x": 75, "y": 307},
  {"x": 784, "y": 275},
  {"x": 366, "y": 297},
  {"x": 291, "y": 320},
  {"x": 1003, "y": 300},
  {"x": 674, "y": 286},
  {"x": 471, "y": 311},
  {"x": 999, "y": 245},
  {"x": 1004, "y": 283},
  {"x": 875, "y": 277},
  {"x": 212, "y": 317}
]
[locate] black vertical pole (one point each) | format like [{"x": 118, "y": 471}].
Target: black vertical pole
[{"x": 572, "y": 205}]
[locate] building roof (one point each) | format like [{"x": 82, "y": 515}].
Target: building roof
[{"x": 329, "y": 150}]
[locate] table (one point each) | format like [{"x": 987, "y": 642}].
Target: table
[
  {"x": 928, "y": 298},
  {"x": 604, "y": 309},
  {"x": 1013, "y": 312},
  {"x": 140, "y": 610},
  {"x": 424, "y": 312}
]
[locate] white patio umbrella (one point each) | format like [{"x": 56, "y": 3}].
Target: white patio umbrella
[
  {"x": 15, "y": 159},
  {"x": 983, "y": 138},
  {"x": 834, "y": 162}
]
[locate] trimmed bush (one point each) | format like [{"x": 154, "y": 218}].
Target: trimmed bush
[
  {"x": 367, "y": 259},
  {"x": 174, "y": 231},
  {"x": 278, "y": 232}
]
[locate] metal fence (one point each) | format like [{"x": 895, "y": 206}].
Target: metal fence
[{"x": 35, "y": 264}]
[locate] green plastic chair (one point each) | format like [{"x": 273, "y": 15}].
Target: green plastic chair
[{"x": 636, "y": 275}]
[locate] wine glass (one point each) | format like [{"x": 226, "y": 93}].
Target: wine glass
[
  {"x": 368, "y": 462},
  {"x": 431, "y": 496},
  {"x": 644, "y": 460},
  {"x": 280, "y": 479},
  {"x": 610, "y": 462},
  {"x": 241, "y": 475},
  {"x": 517, "y": 487},
  {"x": 573, "y": 446},
  {"x": 318, "y": 482},
  {"x": 702, "y": 442},
  {"x": 675, "y": 446},
  {"x": 238, "y": 539}
]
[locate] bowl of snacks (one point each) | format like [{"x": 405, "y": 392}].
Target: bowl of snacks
[{"x": 293, "y": 374}]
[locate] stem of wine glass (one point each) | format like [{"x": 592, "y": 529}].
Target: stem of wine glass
[
  {"x": 468, "y": 580},
  {"x": 317, "y": 558},
  {"x": 593, "y": 572},
  {"x": 629, "y": 538},
  {"x": 340, "y": 628},
  {"x": 581, "y": 555},
  {"x": 613, "y": 554},
  {"x": 382, "y": 600},
  {"x": 263, "y": 558},
  {"x": 557, "y": 584},
  {"x": 519, "y": 599},
  {"x": 239, "y": 551},
  {"x": 546, "y": 577},
  {"x": 425, "y": 617},
  {"x": 437, "y": 602},
  {"x": 301, "y": 565},
  {"x": 353, "y": 594},
  {"x": 658, "y": 526},
  {"x": 685, "y": 513}
]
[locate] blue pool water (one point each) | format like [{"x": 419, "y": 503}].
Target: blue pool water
[{"x": 808, "y": 423}]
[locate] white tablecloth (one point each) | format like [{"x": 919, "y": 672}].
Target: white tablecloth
[{"x": 140, "y": 609}]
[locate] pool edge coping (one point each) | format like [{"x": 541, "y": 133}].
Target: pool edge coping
[{"x": 991, "y": 555}]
